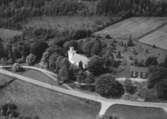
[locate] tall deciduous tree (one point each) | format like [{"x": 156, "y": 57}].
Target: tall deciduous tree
[
  {"x": 107, "y": 86},
  {"x": 63, "y": 74},
  {"x": 96, "y": 65},
  {"x": 158, "y": 80},
  {"x": 2, "y": 52}
]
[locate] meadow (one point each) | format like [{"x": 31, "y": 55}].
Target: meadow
[
  {"x": 135, "y": 27},
  {"x": 36, "y": 101},
  {"x": 157, "y": 38}
]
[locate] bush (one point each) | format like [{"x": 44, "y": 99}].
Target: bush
[
  {"x": 107, "y": 86},
  {"x": 9, "y": 110},
  {"x": 17, "y": 68}
]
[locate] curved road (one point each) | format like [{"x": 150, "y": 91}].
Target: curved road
[{"x": 105, "y": 103}]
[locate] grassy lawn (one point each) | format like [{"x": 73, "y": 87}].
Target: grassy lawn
[
  {"x": 69, "y": 22},
  {"x": 131, "y": 112},
  {"x": 38, "y": 76},
  {"x": 136, "y": 27},
  {"x": 33, "y": 100},
  {"x": 157, "y": 38}
]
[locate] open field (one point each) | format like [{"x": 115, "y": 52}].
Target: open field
[
  {"x": 157, "y": 38},
  {"x": 7, "y": 34},
  {"x": 130, "y": 112},
  {"x": 68, "y": 22},
  {"x": 33, "y": 100},
  {"x": 136, "y": 27}
]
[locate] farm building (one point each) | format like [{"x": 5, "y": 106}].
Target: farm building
[
  {"x": 76, "y": 59},
  {"x": 139, "y": 72}
]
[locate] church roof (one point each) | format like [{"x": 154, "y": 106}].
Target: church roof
[{"x": 78, "y": 57}]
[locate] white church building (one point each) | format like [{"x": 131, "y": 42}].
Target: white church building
[{"x": 75, "y": 58}]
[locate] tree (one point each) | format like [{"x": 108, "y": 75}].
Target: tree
[
  {"x": 52, "y": 61},
  {"x": 110, "y": 117},
  {"x": 162, "y": 89},
  {"x": 31, "y": 59},
  {"x": 2, "y": 52},
  {"x": 9, "y": 110},
  {"x": 158, "y": 80},
  {"x": 81, "y": 76},
  {"x": 54, "y": 49},
  {"x": 107, "y": 86},
  {"x": 79, "y": 34},
  {"x": 130, "y": 42},
  {"x": 62, "y": 61},
  {"x": 90, "y": 78},
  {"x": 108, "y": 57},
  {"x": 85, "y": 46},
  {"x": 164, "y": 64},
  {"x": 71, "y": 43},
  {"x": 96, "y": 65},
  {"x": 17, "y": 68},
  {"x": 37, "y": 49},
  {"x": 63, "y": 74},
  {"x": 96, "y": 47},
  {"x": 151, "y": 61}
]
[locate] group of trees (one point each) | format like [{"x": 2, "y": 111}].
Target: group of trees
[
  {"x": 132, "y": 7},
  {"x": 54, "y": 56},
  {"x": 158, "y": 79},
  {"x": 10, "y": 111},
  {"x": 150, "y": 61},
  {"x": 14, "y": 11},
  {"x": 17, "y": 10},
  {"x": 107, "y": 86}
]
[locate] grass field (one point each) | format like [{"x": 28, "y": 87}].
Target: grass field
[
  {"x": 130, "y": 112},
  {"x": 7, "y": 33},
  {"x": 39, "y": 76},
  {"x": 68, "y": 22},
  {"x": 157, "y": 38},
  {"x": 136, "y": 27},
  {"x": 33, "y": 100}
]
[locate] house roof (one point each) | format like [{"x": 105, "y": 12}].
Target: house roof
[{"x": 139, "y": 69}]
